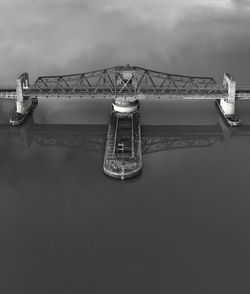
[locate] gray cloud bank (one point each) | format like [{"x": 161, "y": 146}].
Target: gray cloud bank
[{"x": 191, "y": 37}]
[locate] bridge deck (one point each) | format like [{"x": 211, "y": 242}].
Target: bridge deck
[{"x": 240, "y": 95}]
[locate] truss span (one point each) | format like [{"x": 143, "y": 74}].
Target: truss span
[{"x": 126, "y": 81}]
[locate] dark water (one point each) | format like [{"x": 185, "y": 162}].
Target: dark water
[{"x": 180, "y": 227}]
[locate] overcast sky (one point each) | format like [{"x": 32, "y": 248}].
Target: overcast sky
[{"x": 201, "y": 37}]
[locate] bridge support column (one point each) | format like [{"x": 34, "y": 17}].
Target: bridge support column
[
  {"x": 226, "y": 106},
  {"x": 20, "y": 108},
  {"x": 125, "y": 104},
  {"x": 24, "y": 105}
]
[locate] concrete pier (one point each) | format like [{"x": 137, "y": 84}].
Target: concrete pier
[
  {"x": 24, "y": 104},
  {"x": 19, "y": 97},
  {"x": 228, "y": 105}
]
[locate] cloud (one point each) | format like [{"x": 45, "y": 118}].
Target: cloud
[{"x": 50, "y": 37}]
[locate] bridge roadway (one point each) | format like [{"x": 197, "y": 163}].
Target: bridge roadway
[
  {"x": 93, "y": 137},
  {"x": 242, "y": 93}
]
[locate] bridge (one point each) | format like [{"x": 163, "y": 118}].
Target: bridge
[
  {"x": 127, "y": 85},
  {"x": 126, "y": 82}
]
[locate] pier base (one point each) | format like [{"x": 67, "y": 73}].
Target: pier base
[{"x": 228, "y": 107}]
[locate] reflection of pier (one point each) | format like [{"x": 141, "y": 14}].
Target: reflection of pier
[{"x": 93, "y": 137}]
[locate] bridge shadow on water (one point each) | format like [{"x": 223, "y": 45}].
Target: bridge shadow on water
[{"x": 155, "y": 138}]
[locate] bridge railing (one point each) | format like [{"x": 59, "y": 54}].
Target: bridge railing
[
  {"x": 243, "y": 89},
  {"x": 127, "y": 92},
  {"x": 4, "y": 88},
  {"x": 7, "y": 95}
]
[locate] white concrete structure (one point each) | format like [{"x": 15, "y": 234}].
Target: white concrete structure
[
  {"x": 228, "y": 105},
  {"x": 21, "y": 103},
  {"x": 125, "y": 104},
  {"x": 19, "y": 97}
]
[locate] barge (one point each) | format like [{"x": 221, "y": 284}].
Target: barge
[
  {"x": 231, "y": 120},
  {"x": 17, "y": 118},
  {"x": 123, "y": 156}
]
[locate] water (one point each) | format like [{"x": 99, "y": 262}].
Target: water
[{"x": 182, "y": 226}]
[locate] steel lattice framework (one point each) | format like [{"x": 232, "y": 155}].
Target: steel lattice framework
[
  {"x": 123, "y": 81},
  {"x": 126, "y": 81}
]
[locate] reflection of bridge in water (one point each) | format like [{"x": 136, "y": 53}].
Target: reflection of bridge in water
[{"x": 155, "y": 138}]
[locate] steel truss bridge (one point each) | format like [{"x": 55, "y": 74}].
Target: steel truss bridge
[{"x": 123, "y": 81}]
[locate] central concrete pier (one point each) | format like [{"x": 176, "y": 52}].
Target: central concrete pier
[{"x": 125, "y": 104}]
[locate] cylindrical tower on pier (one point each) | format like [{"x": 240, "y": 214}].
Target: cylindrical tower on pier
[{"x": 125, "y": 104}]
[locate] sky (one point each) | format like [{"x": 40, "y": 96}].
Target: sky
[{"x": 196, "y": 37}]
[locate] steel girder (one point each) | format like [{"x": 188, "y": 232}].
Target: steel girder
[{"x": 124, "y": 81}]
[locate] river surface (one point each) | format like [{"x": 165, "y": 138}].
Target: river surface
[{"x": 182, "y": 226}]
